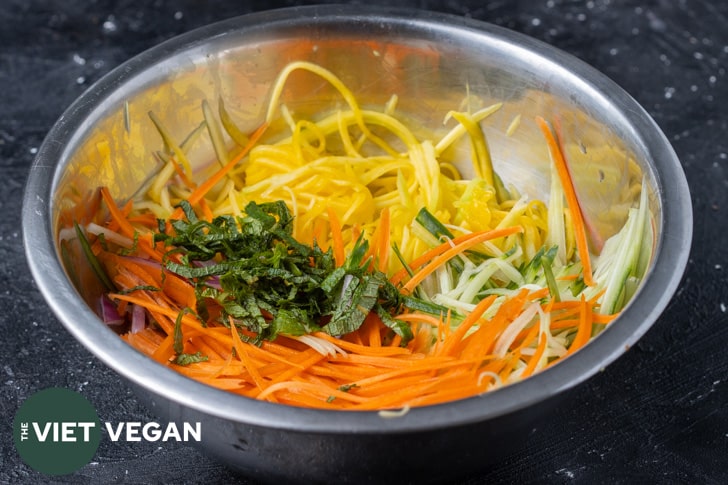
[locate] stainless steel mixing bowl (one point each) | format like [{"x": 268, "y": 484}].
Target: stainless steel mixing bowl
[{"x": 433, "y": 63}]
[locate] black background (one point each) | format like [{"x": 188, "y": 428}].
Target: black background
[{"x": 658, "y": 415}]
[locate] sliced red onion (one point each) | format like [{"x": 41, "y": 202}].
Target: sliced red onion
[
  {"x": 213, "y": 282},
  {"x": 138, "y": 319},
  {"x": 108, "y": 311}
]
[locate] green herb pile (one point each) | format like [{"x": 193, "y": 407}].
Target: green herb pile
[{"x": 272, "y": 284}]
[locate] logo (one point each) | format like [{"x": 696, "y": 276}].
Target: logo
[{"x": 56, "y": 431}]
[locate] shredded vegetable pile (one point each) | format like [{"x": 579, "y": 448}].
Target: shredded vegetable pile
[{"x": 344, "y": 263}]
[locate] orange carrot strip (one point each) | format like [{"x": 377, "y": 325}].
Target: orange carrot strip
[
  {"x": 583, "y": 333},
  {"x": 456, "y": 373},
  {"x": 201, "y": 344},
  {"x": 124, "y": 225},
  {"x": 305, "y": 401},
  {"x": 208, "y": 184},
  {"x": 567, "y": 184},
  {"x": 146, "y": 341},
  {"x": 145, "y": 300},
  {"x": 422, "y": 341},
  {"x": 124, "y": 211},
  {"x": 419, "y": 367},
  {"x": 568, "y": 277},
  {"x": 311, "y": 389},
  {"x": 526, "y": 337},
  {"x": 171, "y": 313},
  {"x": 596, "y": 239},
  {"x": 223, "y": 350},
  {"x": 482, "y": 341},
  {"x": 383, "y": 362},
  {"x": 511, "y": 362},
  {"x": 603, "y": 319},
  {"x": 206, "y": 212},
  {"x": 245, "y": 358},
  {"x": 406, "y": 394},
  {"x": 373, "y": 327},
  {"x": 472, "y": 318},
  {"x": 531, "y": 367},
  {"x": 181, "y": 172},
  {"x": 344, "y": 372},
  {"x": 362, "y": 349},
  {"x": 420, "y": 317},
  {"x": 266, "y": 352},
  {"x": 455, "y": 389},
  {"x": 566, "y": 323},
  {"x": 313, "y": 357},
  {"x": 432, "y": 253},
  {"x": 116, "y": 213},
  {"x": 149, "y": 220},
  {"x": 355, "y": 231},
  {"x": 89, "y": 209},
  {"x": 165, "y": 351},
  {"x": 353, "y": 337},
  {"x": 538, "y": 294},
  {"x": 176, "y": 289},
  {"x": 454, "y": 251}
]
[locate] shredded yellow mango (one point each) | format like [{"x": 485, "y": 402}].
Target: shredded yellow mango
[{"x": 338, "y": 162}]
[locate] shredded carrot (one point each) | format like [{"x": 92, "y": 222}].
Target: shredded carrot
[
  {"x": 361, "y": 349},
  {"x": 148, "y": 220},
  {"x": 206, "y": 212},
  {"x": 432, "y": 253},
  {"x": 372, "y": 326},
  {"x": 535, "y": 358},
  {"x": 242, "y": 353},
  {"x": 570, "y": 277},
  {"x": 146, "y": 340},
  {"x": 526, "y": 338},
  {"x": 454, "y": 251},
  {"x": 585, "y": 326},
  {"x": 568, "y": 185},
  {"x": 124, "y": 225},
  {"x": 165, "y": 351},
  {"x": 484, "y": 339},
  {"x": 208, "y": 184},
  {"x": 116, "y": 214},
  {"x": 181, "y": 172},
  {"x": 368, "y": 376},
  {"x": 456, "y": 337}
]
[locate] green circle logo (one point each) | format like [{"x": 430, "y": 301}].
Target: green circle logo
[{"x": 56, "y": 431}]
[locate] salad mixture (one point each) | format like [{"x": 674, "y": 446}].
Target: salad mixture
[{"x": 344, "y": 263}]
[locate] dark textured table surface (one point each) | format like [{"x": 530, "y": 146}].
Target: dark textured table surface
[{"x": 658, "y": 415}]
